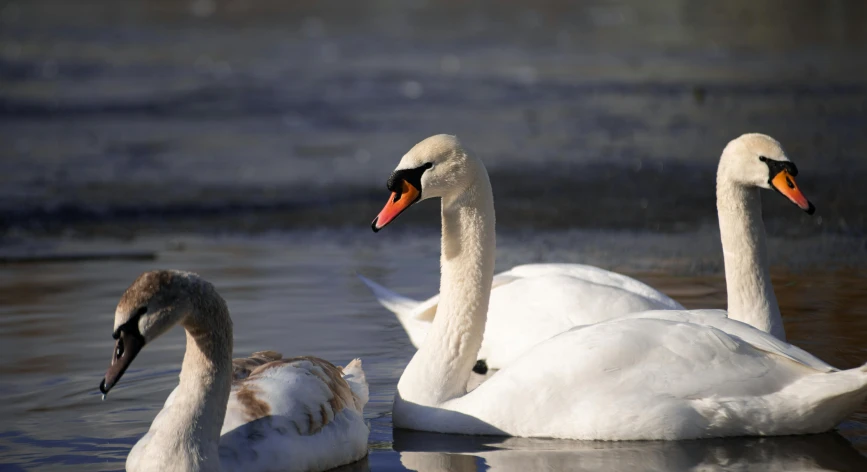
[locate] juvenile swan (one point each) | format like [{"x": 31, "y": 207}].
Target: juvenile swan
[
  {"x": 257, "y": 414},
  {"x": 667, "y": 375},
  {"x": 560, "y": 296}
]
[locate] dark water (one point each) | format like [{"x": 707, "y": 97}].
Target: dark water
[
  {"x": 264, "y": 113},
  {"x": 250, "y": 141}
]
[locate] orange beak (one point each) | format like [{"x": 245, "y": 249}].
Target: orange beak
[
  {"x": 784, "y": 183},
  {"x": 396, "y": 204}
]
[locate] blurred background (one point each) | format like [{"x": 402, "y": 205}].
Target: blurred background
[
  {"x": 289, "y": 114},
  {"x": 250, "y": 140}
]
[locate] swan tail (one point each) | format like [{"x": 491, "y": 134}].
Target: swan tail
[
  {"x": 353, "y": 374},
  {"x": 815, "y": 403},
  {"x": 834, "y": 396},
  {"x": 413, "y": 315},
  {"x": 394, "y": 302}
]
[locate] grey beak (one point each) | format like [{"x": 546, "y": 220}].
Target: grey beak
[{"x": 126, "y": 348}]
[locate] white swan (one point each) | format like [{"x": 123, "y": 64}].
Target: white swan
[
  {"x": 653, "y": 375},
  {"x": 560, "y": 296},
  {"x": 748, "y": 164},
  {"x": 261, "y": 413}
]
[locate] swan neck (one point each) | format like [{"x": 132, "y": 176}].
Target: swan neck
[
  {"x": 751, "y": 297},
  {"x": 191, "y": 432},
  {"x": 441, "y": 368}
]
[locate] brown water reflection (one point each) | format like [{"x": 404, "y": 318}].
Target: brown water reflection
[{"x": 823, "y": 311}]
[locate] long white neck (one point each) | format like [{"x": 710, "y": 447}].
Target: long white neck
[
  {"x": 190, "y": 433},
  {"x": 440, "y": 369},
  {"x": 751, "y": 296}
]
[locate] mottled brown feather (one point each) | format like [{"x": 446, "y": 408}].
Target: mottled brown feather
[
  {"x": 324, "y": 413},
  {"x": 254, "y": 407},
  {"x": 145, "y": 287},
  {"x": 242, "y": 367},
  {"x": 331, "y": 375}
]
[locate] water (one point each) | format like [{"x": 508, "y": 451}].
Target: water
[
  {"x": 251, "y": 141},
  {"x": 260, "y": 111},
  {"x": 297, "y": 293}
]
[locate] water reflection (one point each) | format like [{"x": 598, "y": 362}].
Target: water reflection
[{"x": 430, "y": 452}]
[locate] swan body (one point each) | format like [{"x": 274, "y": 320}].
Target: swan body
[
  {"x": 559, "y": 296},
  {"x": 647, "y": 378},
  {"x": 254, "y": 414},
  {"x": 664, "y": 375}
]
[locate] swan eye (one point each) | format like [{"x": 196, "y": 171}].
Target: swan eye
[
  {"x": 427, "y": 165},
  {"x": 763, "y": 158},
  {"x": 141, "y": 311}
]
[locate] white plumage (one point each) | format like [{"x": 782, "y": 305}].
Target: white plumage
[
  {"x": 556, "y": 297},
  {"x": 655, "y": 375},
  {"x": 671, "y": 374},
  {"x": 531, "y": 303}
]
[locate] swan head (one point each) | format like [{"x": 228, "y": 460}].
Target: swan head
[
  {"x": 152, "y": 305},
  {"x": 758, "y": 160},
  {"x": 437, "y": 167}
]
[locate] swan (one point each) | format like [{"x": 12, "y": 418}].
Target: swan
[
  {"x": 561, "y": 296},
  {"x": 658, "y": 375},
  {"x": 255, "y": 414},
  {"x": 749, "y": 164}
]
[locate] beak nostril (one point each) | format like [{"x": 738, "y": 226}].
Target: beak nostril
[{"x": 790, "y": 183}]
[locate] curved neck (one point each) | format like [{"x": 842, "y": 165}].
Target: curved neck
[
  {"x": 751, "y": 297},
  {"x": 440, "y": 369},
  {"x": 190, "y": 433}
]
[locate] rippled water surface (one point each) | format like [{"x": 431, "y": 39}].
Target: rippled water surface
[{"x": 297, "y": 293}]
